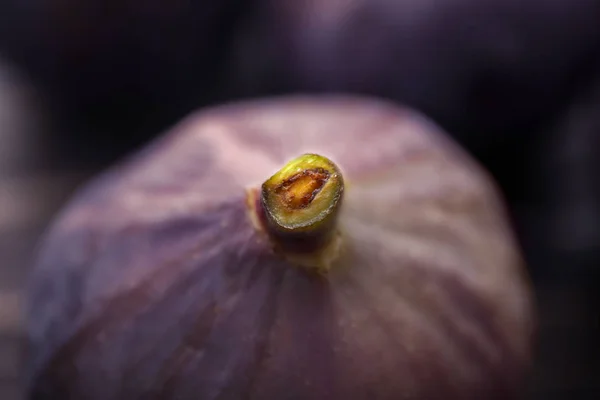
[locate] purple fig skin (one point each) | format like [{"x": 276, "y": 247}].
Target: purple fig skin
[{"x": 155, "y": 282}]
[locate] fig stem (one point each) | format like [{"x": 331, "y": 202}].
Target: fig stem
[{"x": 300, "y": 204}]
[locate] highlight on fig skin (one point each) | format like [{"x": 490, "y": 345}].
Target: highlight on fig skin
[{"x": 300, "y": 203}]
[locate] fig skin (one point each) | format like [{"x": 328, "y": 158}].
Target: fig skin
[{"x": 158, "y": 281}]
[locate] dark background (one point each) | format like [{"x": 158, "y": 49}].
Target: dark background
[{"x": 516, "y": 82}]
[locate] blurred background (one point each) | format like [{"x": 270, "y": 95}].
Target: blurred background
[{"x": 517, "y": 82}]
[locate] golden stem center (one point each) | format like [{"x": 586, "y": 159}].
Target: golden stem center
[{"x": 299, "y": 190}]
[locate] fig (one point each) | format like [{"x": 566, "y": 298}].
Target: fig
[{"x": 300, "y": 247}]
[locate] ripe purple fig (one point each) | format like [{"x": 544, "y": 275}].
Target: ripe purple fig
[{"x": 294, "y": 248}]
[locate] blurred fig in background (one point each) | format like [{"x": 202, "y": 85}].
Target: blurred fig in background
[
  {"x": 21, "y": 124},
  {"x": 195, "y": 270},
  {"x": 482, "y": 67}
]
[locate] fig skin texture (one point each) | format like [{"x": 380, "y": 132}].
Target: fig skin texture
[{"x": 159, "y": 281}]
